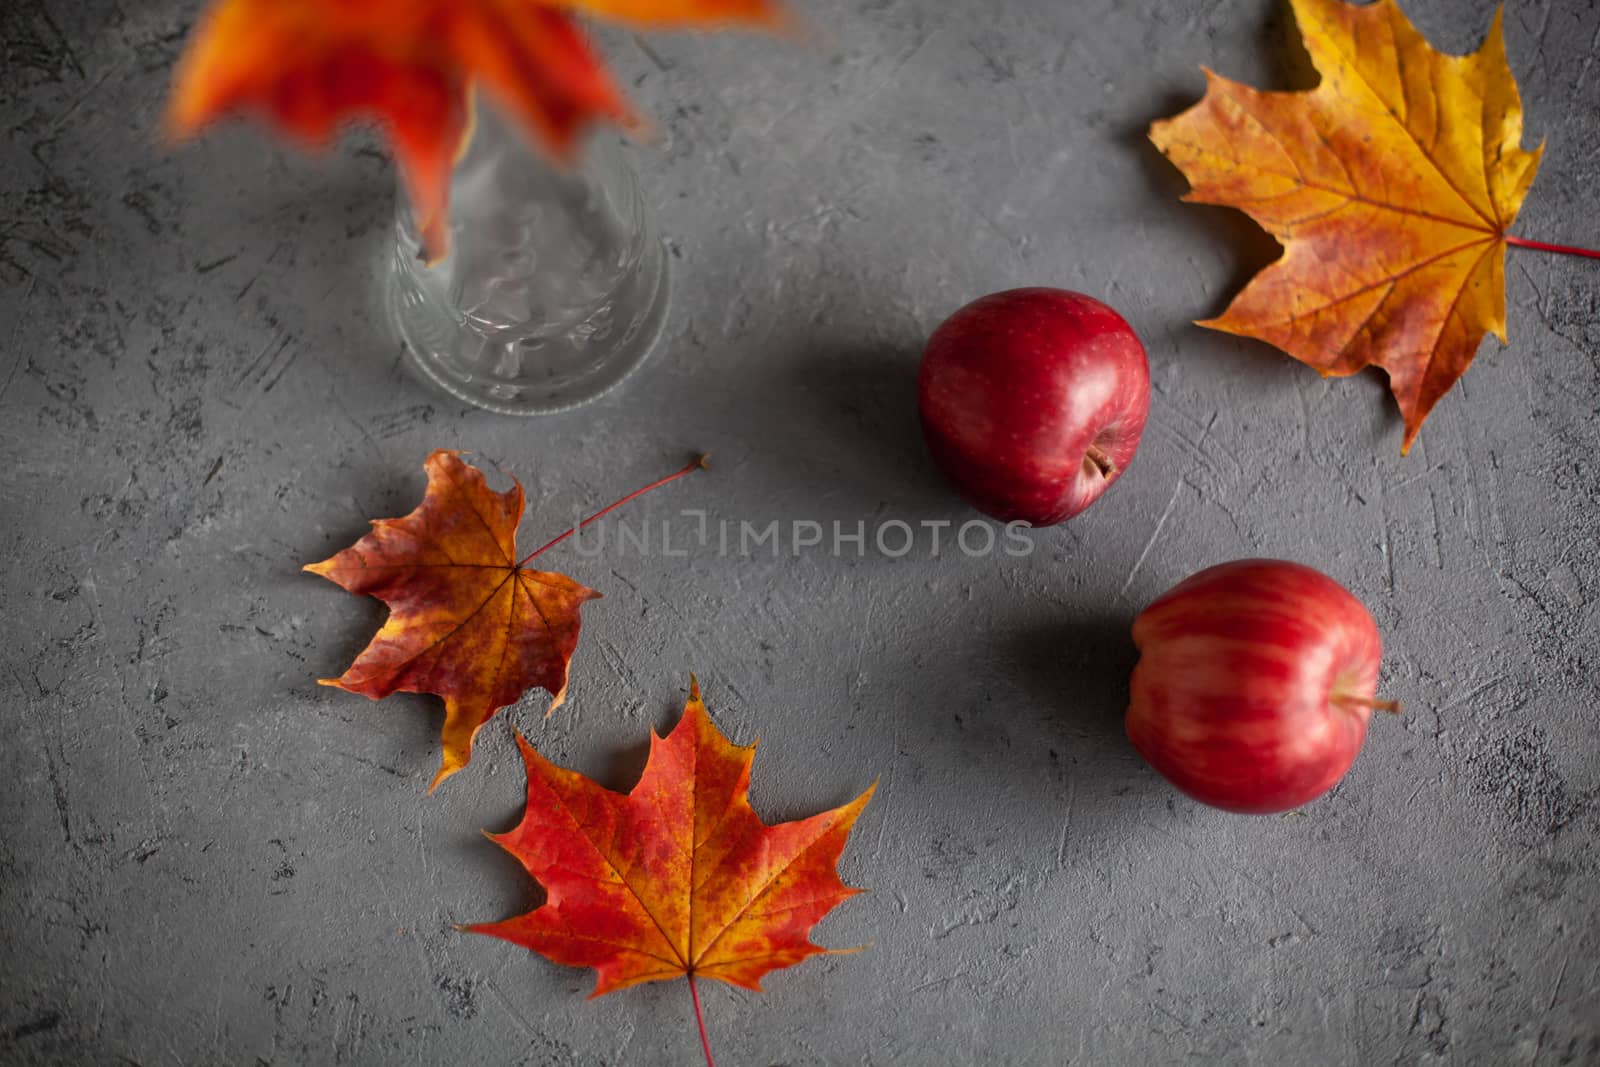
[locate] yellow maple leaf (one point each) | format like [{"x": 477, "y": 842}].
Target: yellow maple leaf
[{"x": 1391, "y": 186}]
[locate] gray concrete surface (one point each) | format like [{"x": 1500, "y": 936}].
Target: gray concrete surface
[{"x": 207, "y": 859}]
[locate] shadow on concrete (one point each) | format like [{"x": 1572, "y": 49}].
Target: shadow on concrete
[
  {"x": 1076, "y": 673},
  {"x": 863, "y": 397}
]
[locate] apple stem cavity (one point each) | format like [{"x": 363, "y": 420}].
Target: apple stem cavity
[
  {"x": 1101, "y": 461},
  {"x": 1390, "y": 706}
]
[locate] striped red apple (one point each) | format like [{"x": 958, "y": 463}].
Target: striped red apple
[{"x": 1255, "y": 683}]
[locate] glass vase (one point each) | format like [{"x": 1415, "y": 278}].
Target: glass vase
[{"x": 555, "y": 285}]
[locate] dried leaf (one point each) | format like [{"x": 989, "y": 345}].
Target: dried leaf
[
  {"x": 678, "y": 877},
  {"x": 466, "y": 621},
  {"x": 1391, "y": 187},
  {"x": 308, "y": 65}
]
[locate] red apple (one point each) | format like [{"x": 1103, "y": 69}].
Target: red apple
[
  {"x": 1254, "y": 685},
  {"x": 1033, "y": 401}
]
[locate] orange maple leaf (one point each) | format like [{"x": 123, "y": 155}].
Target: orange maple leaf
[
  {"x": 309, "y": 64},
  {"x": 1391, "y": 187},
  {"x": 678, "y": 877},
  {"x": 467, "y": 621}
]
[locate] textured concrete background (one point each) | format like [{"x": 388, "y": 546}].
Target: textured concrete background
[{"x": 205, "y": 858}]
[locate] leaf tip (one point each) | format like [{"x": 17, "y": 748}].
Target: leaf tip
[
  {"x": 1496, "y": 24},
  {"x": 850, "y": 812},
  {"x": 450, "y": 766},
  {"x": 1413, "y": 423},
  {"x": 177, "y": 127}
]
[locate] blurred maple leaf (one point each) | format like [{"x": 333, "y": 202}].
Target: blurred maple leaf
[
  {"x": 1391, "y": 187},
  {"x": 467, "y": 621},
  {"x": 409, "y": 64},
  {"x": 679, "y": 877}
]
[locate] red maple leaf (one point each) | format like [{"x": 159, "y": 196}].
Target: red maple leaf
[{"x": 679, "y": 877}]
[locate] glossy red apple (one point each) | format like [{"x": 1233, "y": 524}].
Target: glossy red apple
[
  {"x": 1254, "y": 685},
  {"x": 1033, "y": 401}
]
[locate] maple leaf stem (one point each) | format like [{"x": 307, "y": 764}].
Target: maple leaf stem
[
  {"x": 700, "y": 1020},
  {"x": 1390, "y": 706},
  {"x": 693, "y": 465},
  {"x": 1545, "y": 246}
]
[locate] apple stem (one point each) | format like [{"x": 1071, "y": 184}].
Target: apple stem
[
  {"x": 698, "y": 463},
  {"x": 1097, "y": 456},
  {"x": 1391, "y": 706},
  {"x": 1545, "y": 246},
  {"x": 700, "y": 1019}
]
